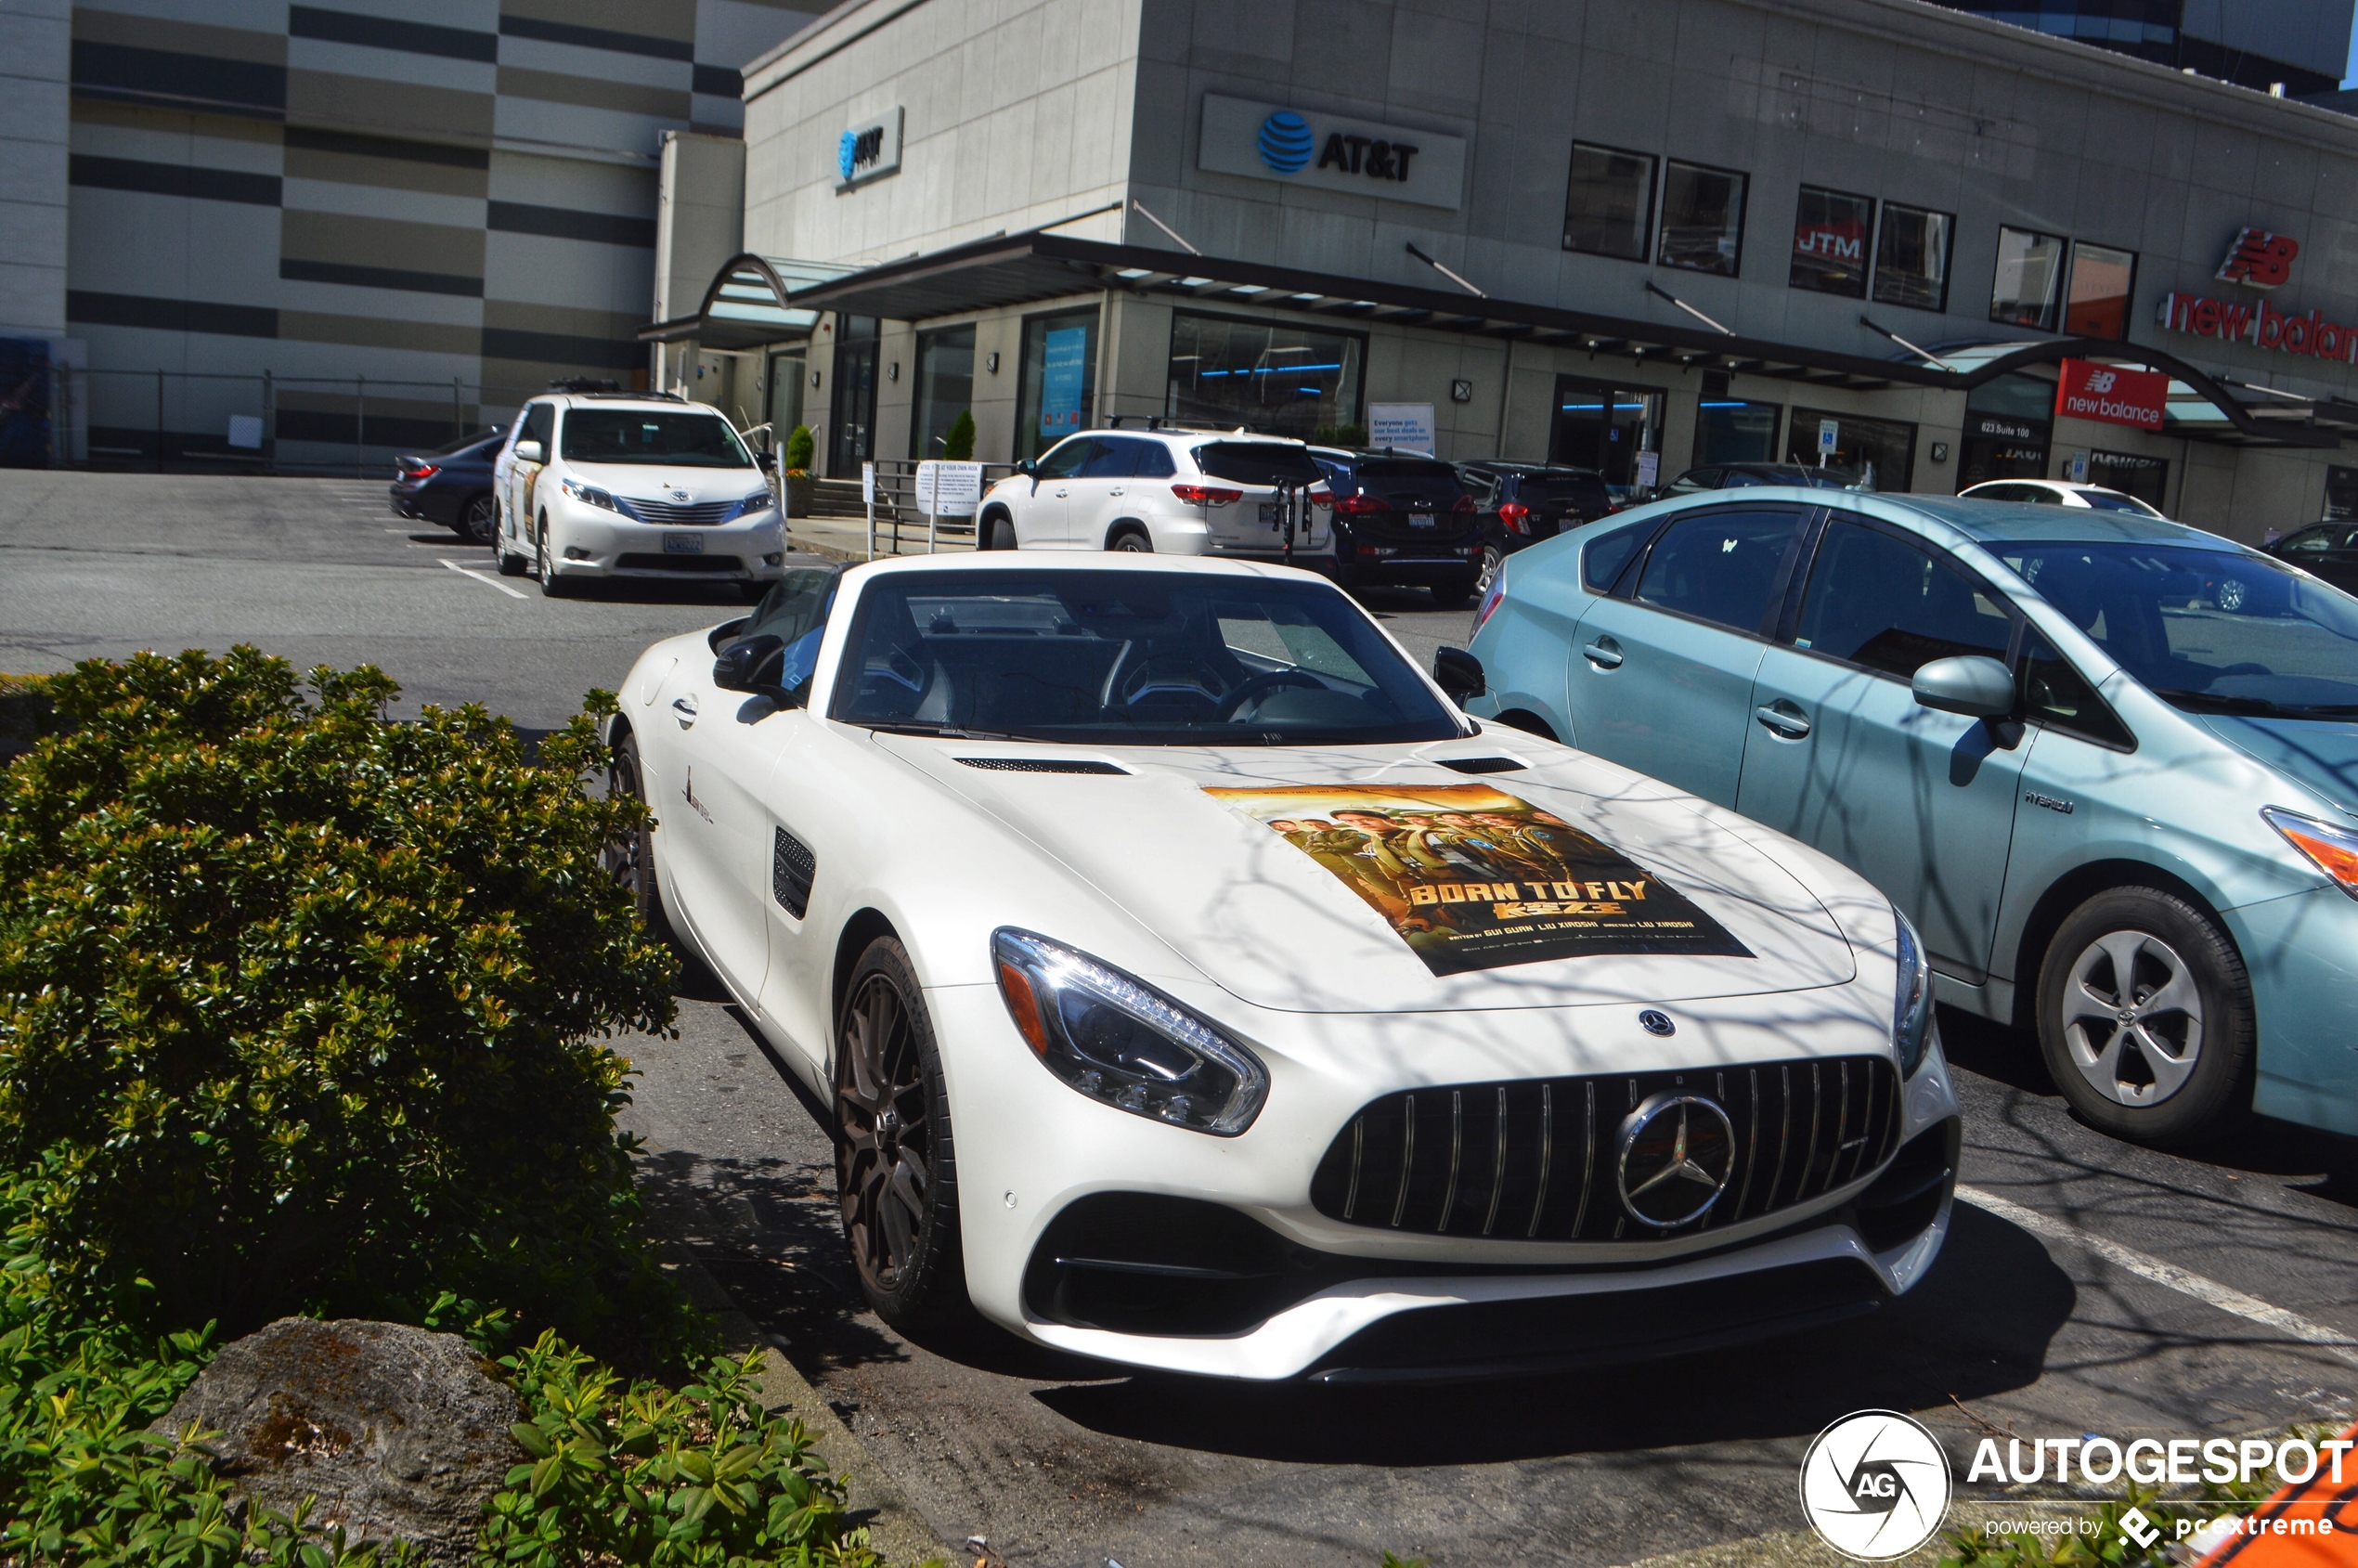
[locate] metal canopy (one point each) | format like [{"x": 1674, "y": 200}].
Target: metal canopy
[
  {"x": 1036, "y": 266},
  {"x": 748, "y": 304}
]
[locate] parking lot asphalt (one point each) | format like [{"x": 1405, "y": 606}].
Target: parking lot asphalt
[{"x": 2086, "y": 1285}]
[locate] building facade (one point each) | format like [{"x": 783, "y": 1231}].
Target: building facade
[
  {"x": 316, "y": 233},
  {"x": 1636, "y": 237},
  {"x": 2298, "y": 47}
]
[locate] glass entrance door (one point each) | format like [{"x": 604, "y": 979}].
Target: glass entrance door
[
  {"x": 852, "y": 415},
  {"x": 1599, "y": 426}
]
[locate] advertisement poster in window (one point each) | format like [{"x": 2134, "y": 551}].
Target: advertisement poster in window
[
  {"x": 1064, "y": 373},
  {"x": 1408, "y": 427},
  {"x": 1474, "y": 878}
]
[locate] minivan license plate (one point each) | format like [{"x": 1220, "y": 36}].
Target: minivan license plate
[{"x": 684, "y": 544}]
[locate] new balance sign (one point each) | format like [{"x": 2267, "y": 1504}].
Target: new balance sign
[{"x": 2111, "y": 395}]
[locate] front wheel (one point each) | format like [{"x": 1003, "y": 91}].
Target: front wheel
[
  {"x": 896, "y": 1170},
  {"x": 551, "y": 585},
  {"x": 2145, "y": 1019},
  {"x": 1003, "y": 533}
]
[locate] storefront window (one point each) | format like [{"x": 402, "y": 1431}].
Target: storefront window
[
  {"x": 1703, "y": 218},
  {"x": 1830, "y": 239},
  {"x": 1608, "y": 429},
  {"x": 2101, "y": 280},
  {"x": 1728, "y": 431},
  {"x": 2003, "y": 444},
  {"x": 2030, "y": 270},
  {"x": 1609, "y": 207},
  {"x": 852, "y": 417},
  {"x": 1266, "y": 375},
  {"x": 945, "y": 388},
  {"x": 1874, "y": 454},
  {"x": 1056, "y": 391},
  {"x": 1911, "y": 257},
  {"x": 2132, "y": 473}
]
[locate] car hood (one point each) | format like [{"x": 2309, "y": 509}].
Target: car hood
[
  {"x": 2321, "y": 755},
  {"x": 636, "y": 481},
  {"x": 1278, "y": 929}
]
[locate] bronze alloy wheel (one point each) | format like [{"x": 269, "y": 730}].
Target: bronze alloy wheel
[{"x": 895, "y": 1172}]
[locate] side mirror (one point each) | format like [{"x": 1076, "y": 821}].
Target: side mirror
[
  {"x": 766, "y": 461},
  {"x": 528, "y": 451},
  {"x": 1974, "y": 686},
  {"x": 739, "y": 668},
  {"x": 1457, "y": 673},
  {"x": 1023, "y": 466}
]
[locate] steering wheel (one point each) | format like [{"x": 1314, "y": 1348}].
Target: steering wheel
[
  {"x": 1166, "y": 678},
  {"x": 1234, "y": 703}
]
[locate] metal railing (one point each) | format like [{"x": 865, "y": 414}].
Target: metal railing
[{"x": 897, "y": 521}]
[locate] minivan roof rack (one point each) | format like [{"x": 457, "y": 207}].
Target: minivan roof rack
[{"x": 639, "y": 396}]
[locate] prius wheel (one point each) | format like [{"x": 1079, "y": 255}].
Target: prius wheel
[
  {"x": 630, "y": 858},
  {"x": 896, "y": 1174},
  {"x": 2145, "y": 1019},
  {"x": 480, "y": 523}
]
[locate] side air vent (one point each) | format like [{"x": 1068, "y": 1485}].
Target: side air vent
[
  {"x": 1482, "y": 764},
  {"x": 1043, "y": 765},
  {"x": 791, "y": 868}
]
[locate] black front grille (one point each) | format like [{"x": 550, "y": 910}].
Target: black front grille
[
  {"x": 1043, "y": 765},
  {"x": 650, "y": 562},
  {"x": 674, "y": 514},
  {"x": 1534, "y": 1159}
]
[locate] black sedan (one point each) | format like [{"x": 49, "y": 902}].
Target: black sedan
[
  {"x": 452, "y": 486},
  {"x": 2329, "y": 549},
  {"x": 1522, "y": 503}
]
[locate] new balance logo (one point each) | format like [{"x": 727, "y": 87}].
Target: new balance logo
[{"x": 2259, "y": 258}]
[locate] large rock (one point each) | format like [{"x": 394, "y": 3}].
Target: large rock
[{"x": 398, "y": 1432}]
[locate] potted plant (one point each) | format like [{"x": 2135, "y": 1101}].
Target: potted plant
[{"x": 800, "y": 486}]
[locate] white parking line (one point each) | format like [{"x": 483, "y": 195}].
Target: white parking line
[
  {"x": 2226, "y": 1297},
  {"x": 491, "y": 582}
]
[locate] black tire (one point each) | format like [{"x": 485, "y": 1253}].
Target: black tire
[
  {"x": 1130, "y": 539},
  {"x": 631, "y": 861},
  {"x": 2163, "y": 1055},
  {"x": 551, "y": 585},
  {"x": 1493, "y": 561},
  {"x": 1451, "y": 596},
  {"x": 479, "y": 520},
  {"x": 512, "y": 564},
  {"x": 1003, "y": 533},
  {"x": 896, "y": 1166}
]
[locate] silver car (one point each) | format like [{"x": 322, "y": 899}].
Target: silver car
[{"x": 2108, "y": 763}]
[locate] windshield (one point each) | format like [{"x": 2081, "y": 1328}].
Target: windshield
[
  {"x": 2112, "y": 500},
  {"x": 2208, "y": 630},
  {"x": 1128, "y": 658},
  {"x": 1562, "y": 489},
  {"x": 1257, "y": 462},
  {"x": 653, "y": 435}
]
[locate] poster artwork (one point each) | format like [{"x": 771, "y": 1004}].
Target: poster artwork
[
  {"x": 1472, "y": 878},
  {"x": 1063, "y": 377}
]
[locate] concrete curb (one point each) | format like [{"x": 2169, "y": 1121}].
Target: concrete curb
[{"x": 897, "y": 1532}]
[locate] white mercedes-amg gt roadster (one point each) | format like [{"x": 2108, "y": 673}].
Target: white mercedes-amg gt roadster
[{"x": 1195, "y": 986}]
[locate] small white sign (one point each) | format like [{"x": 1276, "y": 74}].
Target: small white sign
[
  {"x": 2076, "y": 468},
  {"x": 1829, "y": 437},
  {"x": 1270, "y": 141},
  {"x": 949, "y": 489},
  {"x": 245, "y": 430},
  {"x": 868, "y": 150},
  {"x": 867, "y": 483},
  {"x": 1406, "y": 426},
  {"x": 1648, "y": 470}
]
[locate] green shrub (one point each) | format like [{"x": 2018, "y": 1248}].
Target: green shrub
[
  {"x": 959, "y": 445},
  {"x": 700, "y": 1478},
  {"x": 799, "y": 448},
  {"x": 1340, "y": 436},
  {"x": 296, "y": 1006}
]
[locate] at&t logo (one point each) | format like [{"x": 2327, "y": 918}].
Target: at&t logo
[
  {"x": 1286, "y": 142},
  {"x": 1874, "y": 1485}
]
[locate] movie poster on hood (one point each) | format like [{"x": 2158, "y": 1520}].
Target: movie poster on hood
[{"x": 1472, "y": 878}]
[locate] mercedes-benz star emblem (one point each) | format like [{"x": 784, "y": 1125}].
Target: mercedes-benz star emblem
[
  {"x": 1656, "y": 1022},
  {"x": 1676, "y": 1154}
]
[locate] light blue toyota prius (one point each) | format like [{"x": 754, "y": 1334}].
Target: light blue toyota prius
[{"x": 2109, "y": 764}]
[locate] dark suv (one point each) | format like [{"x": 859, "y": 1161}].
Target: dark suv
[
  {"x": 1402, "y": 518},
  {"x": 1522, "y": 503}
]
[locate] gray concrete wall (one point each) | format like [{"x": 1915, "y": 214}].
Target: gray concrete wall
[{"x": 32, "y": 148}]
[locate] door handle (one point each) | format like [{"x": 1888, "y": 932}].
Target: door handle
[
  {"x": 1116, "y": 489},
  {"x": 1604, "y": 653},
  {"x": 684, "y": 708},
  {"x": 1063, "y": 493},
  {"x": 1783, "y": 719}
]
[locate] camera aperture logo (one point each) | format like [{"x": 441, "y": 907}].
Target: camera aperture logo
[{"x": 1874, "y": 1485}]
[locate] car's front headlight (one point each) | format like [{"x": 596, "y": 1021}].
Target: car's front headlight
[
  {"x": 588, "y": 494},
  {"x": 2331, "y": 849},
  {"x": 1912, "y": 1004},
  {"x": 758, "y": 502},
  {"x": 1117, "y": 1039}
]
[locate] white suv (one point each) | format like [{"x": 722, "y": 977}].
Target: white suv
[
  {"x": 633, "y": 484},
  {"x": 1176, "y": 492}
]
